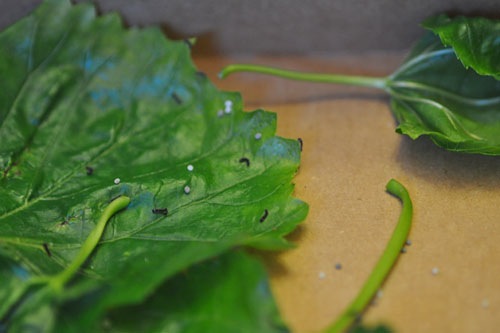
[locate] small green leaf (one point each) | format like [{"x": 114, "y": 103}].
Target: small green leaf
[
  {"x": 432, "y": 93},
  {"x": 90, "y": 111}
]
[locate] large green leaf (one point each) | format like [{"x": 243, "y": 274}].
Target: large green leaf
[{"x": 84, "y": 102}]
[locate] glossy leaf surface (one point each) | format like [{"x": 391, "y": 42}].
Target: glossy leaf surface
[
  {"x": 475, "y": 40},
  {"x": 90, "y": 111},
  {"x": 434, "y": 94}
]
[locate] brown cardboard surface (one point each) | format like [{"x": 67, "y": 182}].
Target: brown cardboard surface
[{"x": 350, "y": 152}]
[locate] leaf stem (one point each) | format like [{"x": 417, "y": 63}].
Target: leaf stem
[
  {"x": 363, "y": 81},
  {"x": 383, "y": 266},
  {"x": 58, "y": 281}
]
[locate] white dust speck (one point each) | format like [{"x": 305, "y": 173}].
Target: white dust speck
[
  {"x": 435, "y": 271},
  {"x": 187, "y": 189},
  {"x": 485, "y": 303},
  {"x": 258, "y": 136},
  {"x": 190, "y": 167},
  {"x": 321, "y": 275},
  {"x": 117, "y": 181}
]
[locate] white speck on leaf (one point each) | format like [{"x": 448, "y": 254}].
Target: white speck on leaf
[
  {"x": 117, "y": 181},
  {"x": 258, "y": 136},
  {"x": 190, "y": 167},
  {"x": 229, "y": 106},
  {"x": 187, "y": 189}
]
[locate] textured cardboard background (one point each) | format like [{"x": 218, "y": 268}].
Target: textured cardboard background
[
  {"x": 350, "y": 153},
  {"x": 281, "y": 26}
]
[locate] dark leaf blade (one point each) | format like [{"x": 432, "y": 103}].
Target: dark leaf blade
[
  {"x": 13, "y": 277},
  {"x": 475, "y": 40},
  {"x": 229, "y": 294},
  {"x": 94, "y": 96},
  {"x": 433, "y": 94}
]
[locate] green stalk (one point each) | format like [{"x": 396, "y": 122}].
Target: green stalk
[
  {"x": 383, "y": 266},
  {"x": 363, "y": 81},
  {"x": 53, "y": 285},
  {"x": 58, "y": 281}
]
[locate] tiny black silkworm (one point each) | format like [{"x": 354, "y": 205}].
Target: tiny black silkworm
[
  {"x": 47, "y": 250},
  {"x": 176, "y": 98},
  {"x": 162, "y": 211},
  {"x": 264, "y": 217},
  {"x": 245, "y": 160},
  {"x": 89, "y": 170},
  {"x": 301, "y": 143}
]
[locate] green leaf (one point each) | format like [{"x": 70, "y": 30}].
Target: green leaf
[
  {"x": 432, "y": 93},
  {"x": 475, "y": 40},
  {"x": 85, "y": 102},
  {"x": 225, "y": 295}
]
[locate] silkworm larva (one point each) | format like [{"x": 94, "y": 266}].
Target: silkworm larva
[
  {"x": 245, "y": 160},
  {"x": 47, "y": 250},
  {"x": 162, "y": 211},
  {"x": 264, "y": 217}
]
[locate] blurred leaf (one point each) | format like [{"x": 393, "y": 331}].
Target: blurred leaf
[{"x": 225, "y": 295}]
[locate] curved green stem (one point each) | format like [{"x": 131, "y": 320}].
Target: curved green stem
[
  {"x": 363, "y": 81},
  {"x": 383, "y": 266},
  {"x": 53, "y": 285},
  {"x": 58, "y": 281}
]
